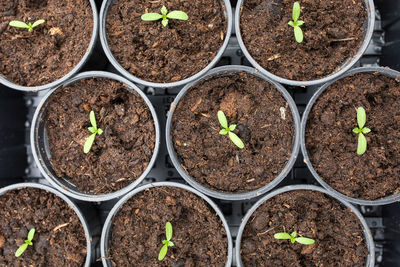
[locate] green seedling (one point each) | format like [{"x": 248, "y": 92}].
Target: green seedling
[
  {"x": 28, "y": 242},
  {"x": 229, "y": 130},
  {"x": 94, "y": 130},
  {"x": 29, "y": 26},
  {"x": 292, "y": 237},
  {"x": 298, "y": 33},
  {"x": 176, "y": 14},
  {"x": 167, "y": 243},
  {"x": 361, "y": 130}
]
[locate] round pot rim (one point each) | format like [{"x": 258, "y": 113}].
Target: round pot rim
[
  {"x": 382, "y": 201},
  {"x": 104, "y": 43},
  {"x": 244, "y": 195},
  {"x": 367, "y": 232},
  {"x": 349, "y": 63},
  {"x": 123, "y": 200},
  {"x": 68, "y": 201},
  {"x": 70, "y": 74},
  {"x": 54, "y": 181}
]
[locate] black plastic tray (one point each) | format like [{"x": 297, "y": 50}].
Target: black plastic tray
[{"x": 17, "y": 164}]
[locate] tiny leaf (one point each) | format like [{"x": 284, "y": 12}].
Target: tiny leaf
[
  {"x": 88, "y": 143},
  {"x": 298, "y": 34},
  {"x": 165, "y": 242},
  {"x": 356, "y": 130},
  {"x": 168, "y": 231},
  {"x": 300, "y": 22},
  {"x": 305, "y": 240},
  {"x": 37, "y": 23},
  {"x": 366, "y": 130},
  {"x": 176, "y": 14},
  {"x": 164, "y": 22},
  {"x": 222, "y": 119},
  {"x": 99, "y": 131},
  {"x": 223, "y": 132},
  {"x": 362, "y": 144},
  {"x": 21, "y": 250},
  {"x": 31, "y": 234},
  {"x": 151, "y": 17},
  {"x": 361, "y": 117},
  {"x": 236, "y": 140},
  {"x": 232, "y": 127},
  {"x": 296, "y": 11},
  {"x": 93, "y": 119},
  {"x": 92, "y": 129},
  {"x": 291, "y": 23},
  {"x": 163, "y": 252},
  {"x": 282, "y": 236},
  {"x": 164, "y": 10},
  {"x": 293, "y": 234},
  {"x": 18, "y": 24},
  {"x": 171, "y": 244}
]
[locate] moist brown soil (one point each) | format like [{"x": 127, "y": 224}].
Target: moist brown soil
[
  {"x": 59, "y": 236},
  {"x": 118, "y": 156},
  {"x": 332, "y": 145},
  {"x": 332, "y": 34},
  {"x": 160, "y": 54},
  {"x": 212, "y": 159},
  {"x": 53, "y": 49},
  {"x": 139, "y": 228},
  {"x": 338, "y": 233}
]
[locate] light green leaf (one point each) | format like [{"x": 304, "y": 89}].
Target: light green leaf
[
  {"x": 151, "y": 17},
  {"x": 21, "y": 250},
  {"x": 31, "y": 234},
  {"x": 92, "y": 129},
  {"x": 293, "y": 234},
  {"x": 168, "y": 231},
  {"x": 300, "y": 22},
  {"x": 232, "y": 127},
  {"x": 93, "y": 119},
  {"x": 236, "y": 140},
  {"x": 164, "y": 10},
  {"x": 298, "y": 34},
  {"x": 99, "y": 131},
  {"x": 356, "y": 130},
  {"x": 223, "y": 132},
  {"x": 171, "y": 244},
  {"x": 38, "y": 22},
  {"x": 361, "y": 117},
  {"x": 366, "y": 130},
  {"x": 362, "y": 144},
  {"x": 165, "y": 242},
  {"x": 176, "y": 14},
  {"x": 222, "y": 119},
  {"x": 88, "y": 143},
  {"x": 305, "y": 240},
  {"x": 164, "y": 22},
  {"x": 163, "y": 252},
  {"x": 282, "y": 236},
  {"x": 291, "y": 23},
  {"x": 18, "y": 24},
  {"x": 296, "y": 11}
]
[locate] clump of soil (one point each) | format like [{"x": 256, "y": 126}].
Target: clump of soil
[
  {"x": 139, "y": 228},
  {"x": 338, "y": 233},
  {"x": 333, "y": 33},
  {"x": 118, "y": 156},
  {"x": 53, "y": 49},
  {"x": 264, "y": 123},
  {"x": 59, "y": 236},
  {"x": 332, "y": 145},
  {"x": 160, "y": 54}
]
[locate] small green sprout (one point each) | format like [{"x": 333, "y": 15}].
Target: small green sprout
[
  {"x": 361, "y": 130},
  {"x": 94, "y": 130},
  {"x": 298, "y": 33},
  {"x": 176, "y": 14},
  {"x": 29, "y": 26},
  {"x": 292, "y": 237},
  {"x": 28, "y": 242},
  {"x": 229, "y": 130},
  {"x": 167, "y": 243}
]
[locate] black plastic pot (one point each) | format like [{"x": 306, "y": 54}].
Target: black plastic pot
[
  {"x": 103, "y": 38},
  {"x": 108, "y": 223},
  {"x": 225, "y": 71},
  {"x": 75, "y": 70},
  {"x": 386, "y": 200},
  {"x": 345, "y": 67},
  {"x": 88, "y": 234},
  {"x": 367, "y": 232},
  {"x": 41, "y": 152}
]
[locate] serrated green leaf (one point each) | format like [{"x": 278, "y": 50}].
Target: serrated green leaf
[
  {"x": 356, "y": 130},
  {"x": 163, "y": 252},
  {"x": 362, "y": 144},
  {"x": 164, "y": 22},
  {"x": 232, "y": 127},
  {"x": 222, "y": 119},
  {"x": 223, "y": 132},
  {"x": 21, "y": 250},
  {"x": 88, "y": 143},
  {"x": 151, "y": 17},
  {"x": 31, "y": 234},
  {"x": 176, "y": 14},
  {"x": 305, "y": 240},
  {"x": 93, "y": 119},
  {"x": 19, "y": 24},
  {"x": 38, "y": 22},
  {"x": 236, "y": 140},
  {"x": 366, "y": 130},
  {"x": 298, "y": 34},
  {"x": 361, "y": 117},
  {"x": 164, "y": 10},
  {"x": 296, "y": 11},
  {"x": 168, "y": 231},
  {"x": 282, "y": 236}
]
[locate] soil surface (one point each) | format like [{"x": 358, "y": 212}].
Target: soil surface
[
  {"x": 264, "y": 123},
  {"x": 118, "y": 156},
  {"x": 338, "y": 233},
  {"x": 59, "y": 238},
  {"x": 332, "y": 145},
  {"x": 333, "y": 33},
  {"x": 139, "y": 228},
  {"x": 160, "y": 54},
  {"x": 53, "y": 49}
]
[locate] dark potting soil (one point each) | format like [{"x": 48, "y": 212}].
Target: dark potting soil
[
  {"x": 139, "y": 228},
  {"x": 118, "y": 156},
  {"x": 338, "y": 233},
  {"x": 332, "y": 145},
  {"x": 59, "y": 238},
  {"x": 160, "y": 54},
  {"x": 264, "y": 123},
  {"x": 53, "y": 49},
  {"x": 333, "y": 32}
]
